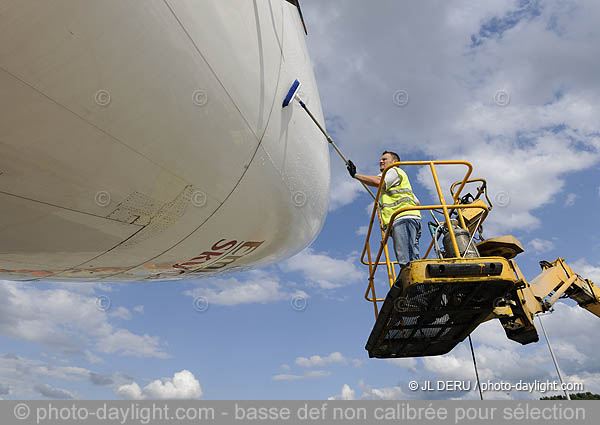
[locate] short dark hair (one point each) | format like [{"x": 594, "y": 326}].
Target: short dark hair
[{"x": 394, "y": 155}]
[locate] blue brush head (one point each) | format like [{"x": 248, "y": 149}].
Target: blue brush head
[{"x": 291, "y": 93}]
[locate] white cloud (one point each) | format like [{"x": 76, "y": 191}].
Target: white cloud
[
  {"x": 127, "y": 343},
  {"x": 491, "y": 333},
  {"x": 517, "y": 181},
  {"x": 92, "y": 358},
  {"x": 258, "y": 287},
  {"x": 541, "y": 246},
  {"x": 323, "y": 270},
  {"x": 61, "y": 372},
  {"x": 383, "y": 393},
  {"x": 570, "y": 201},
  {"x": 138, "y": 309},
  {"x": 344, "y": 191},
  {"x": 567, "y": 350},
  {"x": 571, "y": 330},
  {"x": 587, "y": 270},
  {"x": 183, "y": 386},
  {"x": 90, "y": 289},
  {"x": 450, "y": 365},
  {"x": 4, "y": 389},
  {"x": 68, "y": 322},
  {"x": 369, "y": 211},
  {"x": 368, "y": 392},
  {"x": 318, "y": 361},
  {"x": 386, "y": 393},
  {"x": 100, "y": 380},
  {"x": 121, "y": 312},
  {"x": 49, "y": 391},
  {"x": 408, "y": 362},
  {"x": 494, "y": 362},
  {"x": 590, "y": 381},
  {"x": 333, "y": 358},
  {"x": 312, "y": 374},
  {"x": 130, "y": 392},
  {"x": 362, "y": 230},
  {"x": 28, "y": 378},
  {"x": 346, "y": 394}
]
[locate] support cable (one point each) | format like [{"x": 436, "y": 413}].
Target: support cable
[
  {"x": 554, "y": 359},
  {"x": 475, "y": 365}
]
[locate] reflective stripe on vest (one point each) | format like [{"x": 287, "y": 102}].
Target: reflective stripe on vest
[
  {"x": 396, "y": 197},
  {"x": 398, "y": 202},
  {"x": 394, "y": 191}
]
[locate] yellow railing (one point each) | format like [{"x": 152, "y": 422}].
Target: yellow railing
[{"x": 385, "y": 232}]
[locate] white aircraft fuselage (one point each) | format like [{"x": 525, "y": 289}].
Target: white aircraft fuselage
[{"x": 146, "y": 140}]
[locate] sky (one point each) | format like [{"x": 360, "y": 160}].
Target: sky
[{"x": 510, "y": 86}]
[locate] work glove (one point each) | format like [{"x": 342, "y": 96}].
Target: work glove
[{"x": 351, "y": 168}]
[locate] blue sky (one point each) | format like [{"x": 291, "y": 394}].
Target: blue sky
[{"x": 510, "y": 86}]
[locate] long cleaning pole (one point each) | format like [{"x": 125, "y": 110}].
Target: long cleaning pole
[{"x": 293, "y": 94}]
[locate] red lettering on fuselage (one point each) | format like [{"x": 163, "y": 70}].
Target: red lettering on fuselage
[
  {"x": 249, "y": 246},
  {"x": 206, "y": 256},
  {"x": 226, "y": 246},
  {"x": 211, "y": 260},
  {"x": 221, "y": 263}
]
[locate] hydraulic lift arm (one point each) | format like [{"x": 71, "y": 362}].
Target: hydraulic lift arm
[{"x": 557, "y": 280}]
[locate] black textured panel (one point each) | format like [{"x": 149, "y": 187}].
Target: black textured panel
[{"x": 432, "y": 318}]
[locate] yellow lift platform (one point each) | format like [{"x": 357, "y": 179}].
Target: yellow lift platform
[{"x": 433, "y": 304}]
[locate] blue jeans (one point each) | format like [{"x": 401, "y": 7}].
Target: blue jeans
[{"x": 405, "y": 234}]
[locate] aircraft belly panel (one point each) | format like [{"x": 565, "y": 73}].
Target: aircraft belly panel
[
  {"x": 40, "y": 240},
  {"x": 132, "y": 71},
  {"x": 259, "y": 224},
  {"x": 167, "y": 226},
  {"x": 50, "y": 155}
]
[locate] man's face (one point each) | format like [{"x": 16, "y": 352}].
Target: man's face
[{"x": 385, "y": 160}]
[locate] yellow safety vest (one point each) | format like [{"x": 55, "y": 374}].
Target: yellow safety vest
[{"x": 396, "y": 197}]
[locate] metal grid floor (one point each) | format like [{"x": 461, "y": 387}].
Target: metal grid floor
[{"x": 432, "y": 318}]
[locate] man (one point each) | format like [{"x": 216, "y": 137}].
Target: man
[{"x": 396, "y": 193}]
